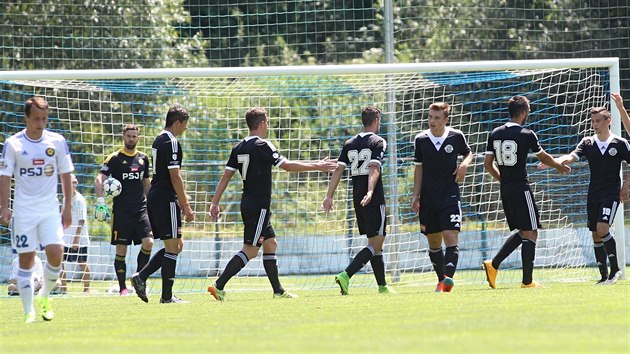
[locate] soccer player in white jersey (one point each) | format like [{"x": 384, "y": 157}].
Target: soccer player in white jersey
[
  {"x": 77, "y": 239},
  {"x": 35, "y": 157}
]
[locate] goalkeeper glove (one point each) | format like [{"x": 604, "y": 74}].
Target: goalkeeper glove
[{"x": 101, "y": 212}]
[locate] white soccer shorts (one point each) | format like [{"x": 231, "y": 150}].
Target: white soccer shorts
[{"x": 28, "y": 233}]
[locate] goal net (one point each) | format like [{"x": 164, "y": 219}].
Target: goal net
[{"x": 313, "y": 110}]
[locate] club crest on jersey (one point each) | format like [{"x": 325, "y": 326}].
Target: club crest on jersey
[
  {"x": 448, "y": 148},
  {"x": 50, "y": 152},
  {"x": 141, "y": 162},
  {"x": 612, "y": 151}
]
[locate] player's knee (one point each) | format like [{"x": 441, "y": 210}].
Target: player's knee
[
  {"x": 147, "y": 243},
  {"x": 602, "y": 229}
]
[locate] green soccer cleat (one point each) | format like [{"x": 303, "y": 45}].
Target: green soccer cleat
[
  {"x": 29, "y": 317},
  {"x": 285, "y": 295},
  {"x": 447, "y": 284},
  {"x": 219, "y": 295},
  {"x": 344, "y": 281},
  {"x": 47, "y": 312},
  {"x": 386, "y": 289}
]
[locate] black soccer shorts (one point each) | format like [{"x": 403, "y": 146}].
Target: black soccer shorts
[
  {"x": 79, "y": 256},
  {"x": 257, "y": 222},
  {"x": 371, "y": 219},
  {"x": 166, "y": 219},
  {"x": 520, "y": 208},
  {"x": 603, "y": 211},
  {"x": 434, "y": 219},
  {"x": 127, "y": 228}
]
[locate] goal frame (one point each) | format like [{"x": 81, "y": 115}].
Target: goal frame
[{"x": 612, "y": 63}]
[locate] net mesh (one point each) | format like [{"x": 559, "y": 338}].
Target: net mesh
[{"x": 311, "y": 117}]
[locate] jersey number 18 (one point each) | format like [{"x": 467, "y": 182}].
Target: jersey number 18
[{"x": 505, "y": 151}]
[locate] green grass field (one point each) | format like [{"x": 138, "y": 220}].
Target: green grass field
[{"x": 562, "y": 317}]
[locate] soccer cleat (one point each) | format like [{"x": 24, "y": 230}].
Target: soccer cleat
[
  {"x": 614, "y": 278},
  {"x": 344, "y": 281},
  {"x": 602, "y": 281},
  {"x": 123, "y": 292},
  {"x": 491, "y": 273},
  {"x": 47, "y": 312},
  {"x": 29, "y": 317},
  {"x": 140, "y": 286},
  {"x": 285, "y": 295},
  {"x": 447, "y": 284},
  {"x": 219, "y": 295},
  {"x": 386, "y": 289},
  {"x": 173, "y": 300},
  {"x": 439, "y": 288},
  {"x": 533, "y": 284}
]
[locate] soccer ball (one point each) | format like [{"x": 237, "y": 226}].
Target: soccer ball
[{"x": 112, "y": 187}]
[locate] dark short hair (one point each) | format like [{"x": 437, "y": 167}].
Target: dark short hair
[
  {"x": 176, "y": 113},
  {"x": 518, "y": 105},
  {"x": 441, "y": 106},
  {"x": 130, "y": 127},
  {"x": 369, "y": 114},
  {"x": 255, "y": 116},
  {"x": 37, "y": 101},
  {"x": 601, "y": 110}
]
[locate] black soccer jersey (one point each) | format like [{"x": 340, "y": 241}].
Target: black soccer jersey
[
  {"x": 604, "y": 160},
  {"x": 510, "y": 144},
  {"x": 253, "y": 158},
  {"x": 166, "y": 154},
  {"x": 358, "y": 153},
  {"x": 130, "y": 170},
  {"x": 438, "y": 157}
]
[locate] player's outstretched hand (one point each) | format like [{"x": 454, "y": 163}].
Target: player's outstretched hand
[
  {"x": 564, "y": 169},
  {"x": 214, "y": 212},
  {"x": 367, "y": 199},
  {"x": 326, "y": 165},
  {"x": 101, "y": 211},
  {"x": 541, "y": 166},
  {"x": 327, "y": 204}
]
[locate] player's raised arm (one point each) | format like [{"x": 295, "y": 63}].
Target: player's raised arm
[{"x": 625, "y": 119}]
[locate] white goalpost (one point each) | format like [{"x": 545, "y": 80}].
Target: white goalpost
[{"x": 313, "y": 110}]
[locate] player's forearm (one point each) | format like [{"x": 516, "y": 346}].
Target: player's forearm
[
  {"x": 66, "y": 189},
  {"x": 567, "y": 159},
  {"x": 221, "y": 187},
  {"x": 98, "y": 185},
  {"x": 417, "y": 181},
  {"x": 5, "y": 191},
  {"x": 467, "y": 160},
  {"x": 178, "y": 185},
  {"x": 548, "y": 160},
  {"x": 334, "y": 182},
  {"x": 375, "y": 173},
  {"x": 488, "y": 165},
  {"x": 298, "y": 166}
]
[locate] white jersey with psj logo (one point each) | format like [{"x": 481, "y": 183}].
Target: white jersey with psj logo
[{"x": 35, "y": 164}]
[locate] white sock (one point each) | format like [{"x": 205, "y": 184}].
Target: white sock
[
  {"x": 51, "y": 274},
  {"x": 26, "y": 286}
]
